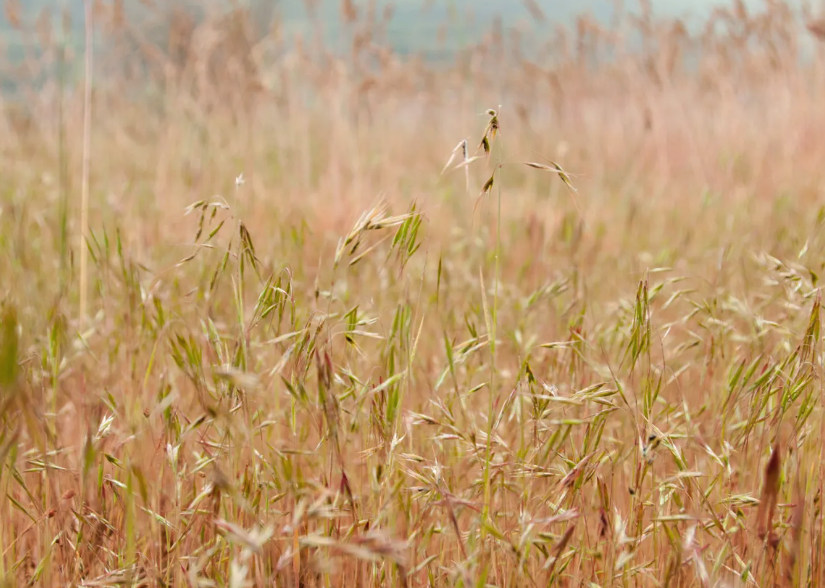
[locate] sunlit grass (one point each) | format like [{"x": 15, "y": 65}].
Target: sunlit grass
[{"x": 587, "y": 351}]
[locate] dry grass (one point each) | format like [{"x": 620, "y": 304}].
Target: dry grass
[{"x": 311, "y": 359}]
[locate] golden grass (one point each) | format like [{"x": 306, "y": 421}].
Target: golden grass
[{"x": 314, "y": 359}]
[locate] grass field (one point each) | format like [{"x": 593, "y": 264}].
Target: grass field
[{"x": 301, "y": 345}]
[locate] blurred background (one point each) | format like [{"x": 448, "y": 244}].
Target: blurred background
[
  {"x": 354, "y": 97},
  {"x": 434, "y": 28}
]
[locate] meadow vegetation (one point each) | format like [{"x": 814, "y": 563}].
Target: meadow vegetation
[{"x": 314, "y": 349}]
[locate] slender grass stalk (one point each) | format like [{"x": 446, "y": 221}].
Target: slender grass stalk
[
  {"x": 493, "y": 329},
  {"x": 62, "y": 176},
  {"x": 87, "y": 139}
]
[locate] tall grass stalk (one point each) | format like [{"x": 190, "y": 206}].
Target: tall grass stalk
[
  {"x": 62, "y": 163},
  {"x": 494, "y": 328},
  {"x": 87, "y": 161}
]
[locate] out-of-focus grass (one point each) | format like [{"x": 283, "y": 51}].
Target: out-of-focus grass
[{"x": 313, "y": 359}]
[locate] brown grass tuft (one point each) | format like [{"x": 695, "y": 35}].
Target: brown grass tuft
[{"x": 769, "y": 495}]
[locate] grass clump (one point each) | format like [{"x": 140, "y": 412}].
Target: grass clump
[{"x": 308, "y": 353}]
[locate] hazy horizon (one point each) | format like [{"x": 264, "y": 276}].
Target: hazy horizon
[
  {"x": 427, "y": 11},
  {"x": 414, "y": 26}
]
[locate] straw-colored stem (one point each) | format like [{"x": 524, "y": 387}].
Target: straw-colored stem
[
  {"x": 494, "y": 328},
  {"x": 84, "y": 188}
]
